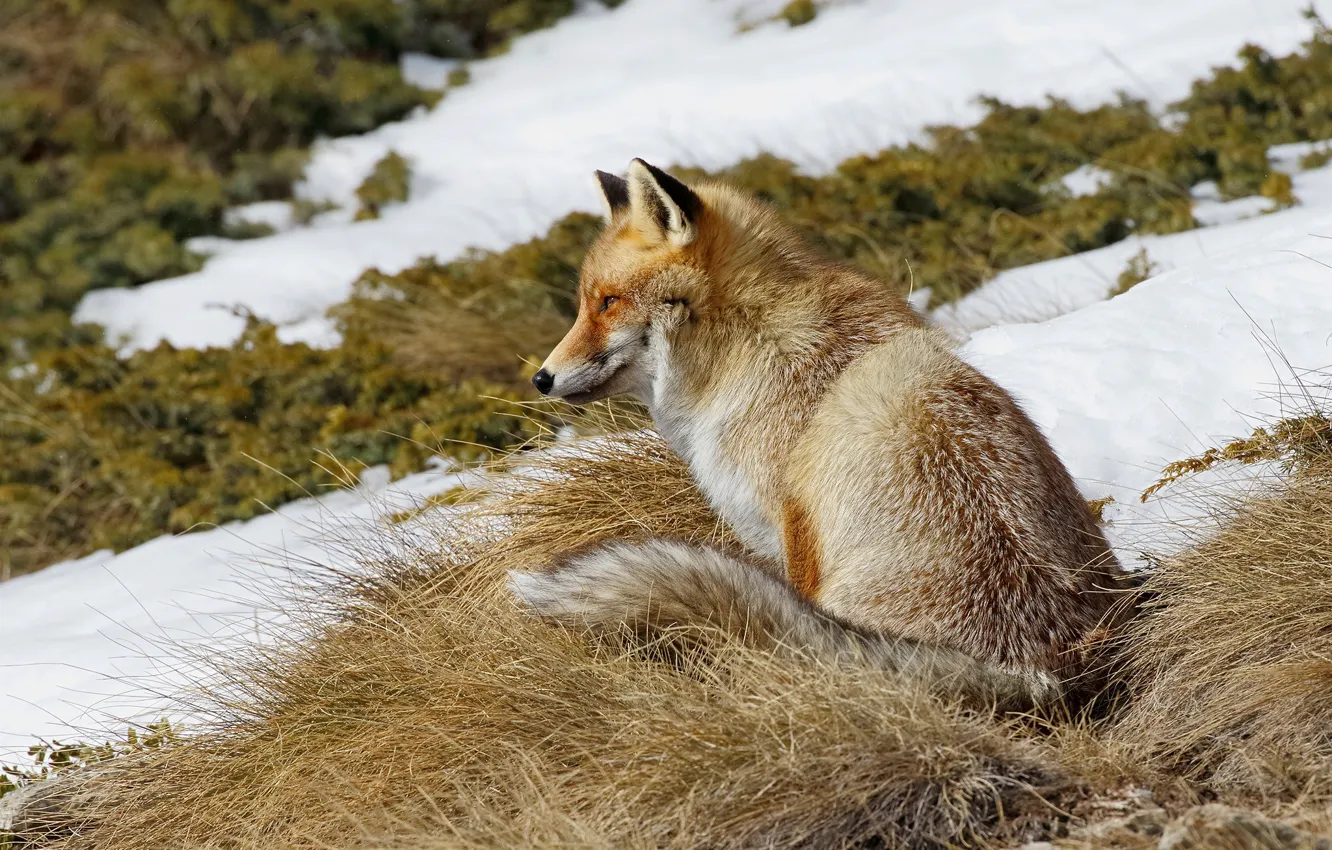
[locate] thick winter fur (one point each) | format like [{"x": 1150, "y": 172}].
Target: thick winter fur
[
  {"x": 661, "y": 584},
  {"x": 913, "y": 505}
]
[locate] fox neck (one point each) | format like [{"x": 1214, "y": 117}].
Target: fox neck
[{"x": 736, "y": 386}]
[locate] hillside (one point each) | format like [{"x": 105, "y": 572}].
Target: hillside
[{"x": 1122, "y": 213}]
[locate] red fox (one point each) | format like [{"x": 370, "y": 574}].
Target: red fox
[{"x": 896, "y": 504}]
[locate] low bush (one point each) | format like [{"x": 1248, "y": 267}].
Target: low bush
[
  {"x": 412, "y": 705},
  {"x": 1140, "y": 267},
  {"x": 481, "y": 314},
  {"x": 127, "y": 127},
  {"x": 49, "y": 760},
  {"x": 389, "y": 182},
  {"x": 108, "y": 452}
]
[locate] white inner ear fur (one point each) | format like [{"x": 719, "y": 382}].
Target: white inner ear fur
[{"x": 649, "y": 205}]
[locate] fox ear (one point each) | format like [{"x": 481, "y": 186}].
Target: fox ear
[
  {"x": 661, "y": 205},
  {"x": 614, "y": 193}
]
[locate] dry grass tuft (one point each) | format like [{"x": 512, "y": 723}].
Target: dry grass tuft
[
  {"x": 415, "y": 707},
  {"x": 475, "y": 334},
  {"x": 1296, "y": 442},
  {"x": 431, "y": 713},
  {"x": 1231, "y": 665}
]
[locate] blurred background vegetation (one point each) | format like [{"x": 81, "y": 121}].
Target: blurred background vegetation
[{"x": 129, "y": 126}]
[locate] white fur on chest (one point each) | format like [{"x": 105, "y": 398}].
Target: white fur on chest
[{"x": 697, "y": 437}]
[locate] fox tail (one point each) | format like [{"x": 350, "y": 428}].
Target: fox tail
[{"x": 662, "y": 585}]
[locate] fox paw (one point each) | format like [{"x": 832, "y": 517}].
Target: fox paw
[{"x": 1045, "y": 688}]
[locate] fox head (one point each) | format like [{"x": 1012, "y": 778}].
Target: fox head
[{"x": 634, "y": 290}]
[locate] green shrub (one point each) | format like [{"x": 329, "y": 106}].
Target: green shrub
[
  {"x": 1279, "y": 187},
  {"x": 459, "y": 76},
  {"x": 519, "y": 16},
  {"x": 799, "y": 12},
  {"x": 107, "y": 452},
  {"x": 180, "y": 108},
  {"x": 953, "y": 211},
  {"x": 481, "y": 314},
  {"x": 50, "y": 759},
  {"x": 1140, "y": 267},
  {"x": 387, "y": 183},
  {"x": 1316, "y": 158}
]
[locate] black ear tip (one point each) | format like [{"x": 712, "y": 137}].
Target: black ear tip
[
  {"x": 614, "y": 189},
  {"x": 678, "y": 192}
]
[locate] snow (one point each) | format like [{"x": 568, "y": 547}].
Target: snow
[
  {"x": 675, "y": 81},
  {"x": 1045, "y": 290},
  {"x": 1121, "y": 386},
  {"x": 103, "y": 637},
  {"x": 1181, "y": 362},
  {"x": 427, "y": 71},
  {"x": 275, "y": 214},
  {"x": 1086, "y": 180}
]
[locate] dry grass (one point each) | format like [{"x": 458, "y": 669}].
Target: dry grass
[
  {"x": 474, "y": 334},
  {"x": 433, "y": 714},
  {"x": 427, "y": 712},
  {"x": 1231, "y": 667}
]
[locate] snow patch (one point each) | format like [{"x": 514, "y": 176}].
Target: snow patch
[
  {"x": 1053, "y": 288},
  {"x": 428, "y": 72},
  {"x": 498, "y": 160},
  {"x": 1086, "y": 180},
  {"x": 275, "y": 214},
  {"x": 103, "y": 637}
]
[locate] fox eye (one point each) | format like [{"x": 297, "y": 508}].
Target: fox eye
[{"x": 607, "y": 301}]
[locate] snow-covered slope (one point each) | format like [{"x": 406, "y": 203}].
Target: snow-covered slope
[
  {"x": 672, "y": 80},
  {"x": 1046, "y": 290},
  {"x": 105, "y": 636},
  {"x": 1120, "y": 386},
  {"x": 1178, "y": 364}
]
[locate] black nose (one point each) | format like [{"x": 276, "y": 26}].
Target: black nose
[{"x": 543, "y": 381}]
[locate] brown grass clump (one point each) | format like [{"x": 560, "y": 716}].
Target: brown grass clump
[
  {"x": 431, "y": 713},
  {"x": 1231, "y": 666},
  {"x": 414, "y": 707},
  {"x": 479, "y": 315}
]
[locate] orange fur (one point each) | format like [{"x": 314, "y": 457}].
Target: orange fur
[{"x": 802, "y": 551}]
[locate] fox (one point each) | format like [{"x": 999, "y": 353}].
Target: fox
[{"x": 895, "y": 506}]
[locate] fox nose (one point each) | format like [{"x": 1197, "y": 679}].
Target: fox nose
[{"x": 543, "y": 381}]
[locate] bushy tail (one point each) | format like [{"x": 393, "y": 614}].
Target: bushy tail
[{"x": 664, "y": 584}]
